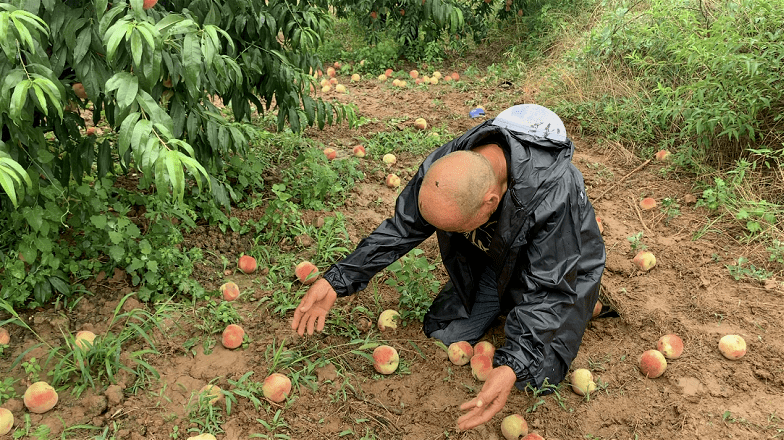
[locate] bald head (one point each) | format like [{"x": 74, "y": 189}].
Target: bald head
[{"x": 454, "y": 190}]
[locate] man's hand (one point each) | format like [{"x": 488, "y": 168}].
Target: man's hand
[
  {"x": 312, "y": 310},
  {"x": 490, "y": 400}
]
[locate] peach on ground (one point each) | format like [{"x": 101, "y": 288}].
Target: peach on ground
[
  {"x": 336, "y": 64},
  {"x": 426, "y": 79},
  {"x": 396, "y": 82},
  {"x": 388, "y": 72},
  {"x": 481, "y": 366},
  {"x": 392, "y": 181},
  {"x": 213, "y": 392},
  {"x": 355, "y": 77},
  {"x": 232, "y": 336},
  {"x": 418, "y": 81},
  {"x": 385, "y": 359},
  {"x": 306, "y": 272},
  {"x": 382, "y": 77},
  {"x": 90, "y": 131},
  {"x": 460, "y": 352},
  {"x": 359, "y": 151},
  {"x": 533, "y": 436},
  {"x": 597, "y": 308},
  {"x": 5, "y": 337},
  {"x": 324, "y": 82},
  {"x": 331, "y": 72},
  {"x": 513, "y": 427},
  {"x": 84, "y": 339},
  {"x": 6, "y": 421},
  {"x": 340, "y": 88},
  {"x": 733, "y": 347},
  {"x": 455, "y": 76},
  {"x": 326, "y": 89},
  {"x": 644, "y": 260},
  {"x": 230, "y": 290},
  {"x": 389, "y": 159},
  {"x": 670, "y": 345},
  {"x": 413, "y": 74},
  {"x": 388, "y": 320},
  {"x": 648, "y": 203},
  {"x": 433, "y": 80},
  {"x": 333, "y": 81},
  {"x": 662, "y": 155},
  {"x": 205, "y": 436},
  {"x": 437, "y": 75},
  {"x": 652, "y": 363},
  {"x": 40, "y": 397},
  {"x": 403, "y": 83},
  {"x": 582, "y": 381},
  {"x": 331, "y": 153},
  {"x": 484, "y": 348},
  {"x": 420, "y": 124},
  {"x": 247, "y": 264},
  {"x": 276, "y": 387}
]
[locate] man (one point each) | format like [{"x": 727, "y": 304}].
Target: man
[{"x": 517, "y": 236}]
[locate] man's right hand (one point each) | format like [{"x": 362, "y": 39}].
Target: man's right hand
[{"x": 312, "y": 310}]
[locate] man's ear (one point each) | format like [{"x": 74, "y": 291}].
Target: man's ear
[{"x": 491, "y": 200}]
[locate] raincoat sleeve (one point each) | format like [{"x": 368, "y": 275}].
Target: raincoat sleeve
[
  {"x": 560, "y": 272},
  {"x": 391, "y": 240}
]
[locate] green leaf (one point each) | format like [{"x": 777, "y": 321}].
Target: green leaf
[
  {"x": 127, "y": 86},
  {"x": 18, "y": 99},
  {"x": 137, "y": 49},
  {"x": 126, "y": 131},
  {"x": 82, "y": 44},
  {"x": 191, "y": 60}
]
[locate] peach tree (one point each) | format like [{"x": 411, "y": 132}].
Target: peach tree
[{"x": 155, "y": 77}]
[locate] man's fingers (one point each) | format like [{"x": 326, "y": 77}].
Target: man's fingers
[
  {"x": 470, "y": 404},
  {"x": 296, "y": 319},
  {"x": 322, "y": 319},
  {"x": 311, "y": 323}
]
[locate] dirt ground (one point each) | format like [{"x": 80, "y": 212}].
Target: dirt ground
[{"x": 689, "y": 292}]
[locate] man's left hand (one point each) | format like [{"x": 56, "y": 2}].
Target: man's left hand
[{"x": 490, "y": 400}]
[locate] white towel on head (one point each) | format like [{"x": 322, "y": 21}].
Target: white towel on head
[{"x": 532, "y": 119}]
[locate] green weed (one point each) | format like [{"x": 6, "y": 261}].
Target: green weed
[{"x": 413, "y": 278}]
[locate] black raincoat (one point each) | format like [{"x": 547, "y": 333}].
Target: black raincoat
[{"x": 547, "y": 253}]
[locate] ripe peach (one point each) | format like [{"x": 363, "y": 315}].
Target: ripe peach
[
  {"x": 597, "y": 308},
  {"x": 355, "y": 77},
  {"x": 230, "y": 290},
  {"x": 662, "y": 155},
  {"x": 359, "y": 151},
  {"x": 213, "y": 392},
  {"x": 6, "y": 421},
  {"x": 84, "y": 339},
  {"x": 276, "y": 387},
  {"x": 326, "y": 89},
  {"x": 582, "y": 382},
  {"x": 330, "y": 153},
  {"x": 336, "y": 65},
  {"x": 382, "y": 77},
  {"x": 340, "y": 88},
  {"x": 389, "y": 159},
  {"x": 396, "y": 82},
  {"x": 484, "y": 348},
  {"x": 205, "y": 436},
  {"x": 90, "y": 131},
  {"x": 533, "y": 436},
  {"x": 149, "y": 4},
  {"x": 40, "y": 397},
  {"x": 373, "y": 15},
  {"x": 433, "y": 80},
  {"x": 78, "y": 88},
  {"x": 306, "y": 272},
  {"x": 5, "y": 337},
  {"x": 232, "y": 336},
  {"x": 413, "y": 74},
  {"x": 513, "y": 427},
  {"x": 460, "y": 352},
  {"x": 437, "y": 75},
  {"x": 392, "y": 181},
  {"x": 247, "y": 264},
  {"x": 455, "y": 76},
  {"x": 324, "y": 82},
  {"x": 418, "y": 81},
  {"x": 645, "y": 260},
  {"x": 733, "y": 347},
  {"x": 388, "y": 72},
  {"x": 333, "y": 81},
  {"x": 168, "y": 82},
  {"x": 402, "y": 84},
  {"x": 420, "y": 124},
  {"x": 388, "y": 320},
  {"x": 447, "y": 78},
  {"x": 385, "y": 359},
  {"x": 647, "y": 203},
  {"x": 601, "y": 224},
  {"x": 426, "y": 79},
  {"x": 652, "y": 363},
  {"x": 331, "y": 72},
  {"x": 481, "y": 366},
  {"x": 671, "y": 346}
]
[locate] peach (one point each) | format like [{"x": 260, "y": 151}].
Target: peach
[
  {"x": 90, "y": 131},
  {"x": 326, "y": 89},
  {"x": 382, "y": 77},
  {"x": 433, "y": 80},
  {"x": 230, "y": 291},
  {"x": 324, "y": 82},
  {"x": 484, "y": 348},
  {"x": 5, "y": 337},
  {"x": 460, "y": 352},
  {"x": 6, "y": 421},
  {"x": 232, "y": 336},
  {"x": 247, "y": 264},
  {"x": 402, "y": 83},
  {"x": 78, "y": 88},
  {"x": 652, "y": 363},
  {"x": 597, "y": 308},
  {"x": 413, "y": 74},
  {"x": 671, "y": 346},
  {"x": 213, "y": 392},
  {"x": 662, "y": 155},
  {"x": 455, "y": 76},
  {"x": 389, "y": 159},
  {"x": 355, "y": 77},
  {"x": 40, "y": 397},
  {"x": 388, "y": 72},
  {"x": 513, "y": 427},
  {"x": 337, "y": 64},
  {"x": 276, "y": 387},
  {"x": 645, "y": 260},
  {"x": 647, "y": 203},
  {"x": 147, "y": 4},
  {"x": 333, "y": 81},
  {"x": 331, "y": 72},
  {"x": 205, "y": 436},
  {"x": 331, "y": 153},
  {"x": 601, "y": 225},
  {"x": 388, "y": 320},
  {"x": 306, "y": 272},
  {"x": 385, "y": 359},
  {"x": 418, "y": 81},
  {"x": 340, "y": 88},
  {"x": 396, "y": 82},
  {"x": 420, "y": 124},
  {"x": 481, "y": 366},
  {"x": 447, "y": 78},
  {"x": 392, "y": 181},
  {"x": 359, "y": 151},
  {"x": 533, "y": 436},
  {"x": 84, "y": 339},
  {"x": 437, "y": 75},
  {"x": 582, "y": 382},
  {"x": 732, "y": 347}
]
